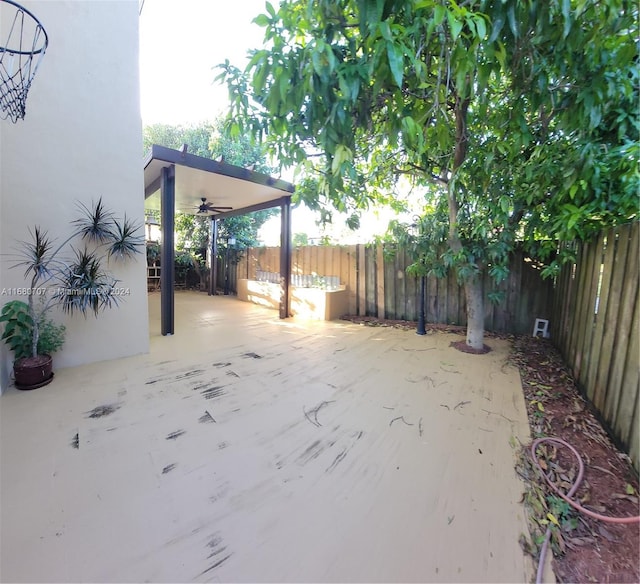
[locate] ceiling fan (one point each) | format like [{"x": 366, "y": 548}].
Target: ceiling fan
[{"x": 205, "y": 207}]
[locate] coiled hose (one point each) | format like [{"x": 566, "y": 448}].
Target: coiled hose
[{"x": 567, "y": 497}]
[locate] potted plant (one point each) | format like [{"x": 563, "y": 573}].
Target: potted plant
[
  {"x": 72, "y": 278},
  {"x": 29, "y": 371}
]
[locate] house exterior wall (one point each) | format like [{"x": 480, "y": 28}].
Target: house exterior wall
[{"x": 81, "y": 139}]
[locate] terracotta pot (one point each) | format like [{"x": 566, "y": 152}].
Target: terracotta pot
[{"x": 33, "y": 372}]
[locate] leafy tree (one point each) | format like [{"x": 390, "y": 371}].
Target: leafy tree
[
  {"x": 209, "y": 140},
  {"x": 197, "y": 137},
  {"x": 515, "y": 117},
  {"x": 300, "y": 239}
]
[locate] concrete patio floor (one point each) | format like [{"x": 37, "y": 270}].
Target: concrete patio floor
[{"x": 246, "y": 448}]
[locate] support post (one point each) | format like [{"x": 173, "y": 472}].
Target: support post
[
  {"x": 285, "y": 257},
  {"x": 167, "y": 252},
  {"x": 213, "y": 252},
  {"x": 227, "y": 258},
  {"x": 421, "y": 328}
]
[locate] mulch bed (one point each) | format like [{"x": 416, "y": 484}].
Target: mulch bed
[{"x": 585, "y": 549}]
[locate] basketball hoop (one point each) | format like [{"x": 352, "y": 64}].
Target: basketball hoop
[{"x": 24, "y": 42}]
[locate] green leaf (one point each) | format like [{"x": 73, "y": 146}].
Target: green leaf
[
  {"x": 454, "y": 24},
  {"x": 396, "y": 62},
  {"x": 439, "y": 12},
  {"x": 481, "y": 27},
  {"x": 270, "y": 9},
  {"x": 262, "y": 20},
  {"x": 513, "y": 24},
  {"x": 572, "y": 191},
  {"x": 496, "y": 27},
  {"x": 566, "y": 14},
  {"x": 385, "y": 31}
]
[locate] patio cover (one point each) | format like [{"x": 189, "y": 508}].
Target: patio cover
[{"x": 176, "y": 180}]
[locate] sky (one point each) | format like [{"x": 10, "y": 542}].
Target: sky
[{"x": 181, "y": 42}]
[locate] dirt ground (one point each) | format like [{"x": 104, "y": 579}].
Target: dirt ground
[
  {"x": 584, "y": 549},
  {"x": 249, "y": 449}
]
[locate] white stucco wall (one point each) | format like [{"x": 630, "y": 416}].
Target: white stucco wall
[{"x": 81, "y": 139}]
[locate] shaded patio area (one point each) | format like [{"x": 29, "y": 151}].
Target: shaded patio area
[{"x": 249, "y": 448}]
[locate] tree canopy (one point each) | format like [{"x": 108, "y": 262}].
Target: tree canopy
[{"x": 516, "y": 118}]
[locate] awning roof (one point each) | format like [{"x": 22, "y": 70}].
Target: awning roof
[{"x": 222, "y": 184}]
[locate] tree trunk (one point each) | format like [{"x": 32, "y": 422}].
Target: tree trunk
[
  {"x": 472, "y": 284},
  {"x": 475, "y": 312}
]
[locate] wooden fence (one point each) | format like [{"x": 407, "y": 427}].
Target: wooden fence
[
  {"x": 595, "y": 325},
  {"x": 379, "y": 286}
]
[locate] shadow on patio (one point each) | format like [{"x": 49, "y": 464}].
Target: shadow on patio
[{"x": 246, "y": 448}]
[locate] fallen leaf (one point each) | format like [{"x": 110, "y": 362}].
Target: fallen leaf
[
  {"x": 604, "y": 533},
  {"x": 598, "y": 508},
  {"x": 581, "y": 540},
  {"x": 627, "y": 497}
]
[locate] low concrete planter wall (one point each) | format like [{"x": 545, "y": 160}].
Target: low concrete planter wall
[{"x": 311, "y": 303}]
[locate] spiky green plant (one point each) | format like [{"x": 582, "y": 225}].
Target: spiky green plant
[
  {"x": 80, "y": 282},
  {"x": 86, "y": 286},
  {"x": 125, "y": 241},
  {"x": 95, "y": 223}
]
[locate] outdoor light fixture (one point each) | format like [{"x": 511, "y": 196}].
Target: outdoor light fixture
[
  {"x": 231, "y": 241},
  {"x": 153, "y": 228},
  {"x": 416, "y": 229}
]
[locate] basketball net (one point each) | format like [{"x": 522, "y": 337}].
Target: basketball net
[{"x": 22, "y": 47}]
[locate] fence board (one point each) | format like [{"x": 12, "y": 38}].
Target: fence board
[
  {"x": 597, "y": 391},
  {"x": 582, "y": 315},
  {"x": 571, "y": 321},
  {"x": 390, "y": 284},
  {"x": 623, "y": 328},
  {"x": 400, "y": 277},
  {"x": 628, "y": 398},
  {"x": 362, "y": 280},
  {"x": 576, "y": 304},
  {"x": 431, "y": 301},
  {"x": 379, "y": 264},
  {"x": 613, "y": 309},
  {"x": 412, "y": 287},
  {"x": 634, "y": 439},
  {"x": 351, "y": 279},
  {"x": 515, "y": 291},
  {"x": 593, "y": 274},
  {"x": 372, "y": 300}
]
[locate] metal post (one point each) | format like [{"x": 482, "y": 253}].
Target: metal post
[
  {"x": 167, "y": 252},
  {"x": 285, "y": 257},
  {"x": 421, "y": 329},
  {"x": 226, "y": 268},
  {"x": 213, "y": 268}
]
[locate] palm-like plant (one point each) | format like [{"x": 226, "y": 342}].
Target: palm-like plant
[{"x": 74, "y": 278}]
